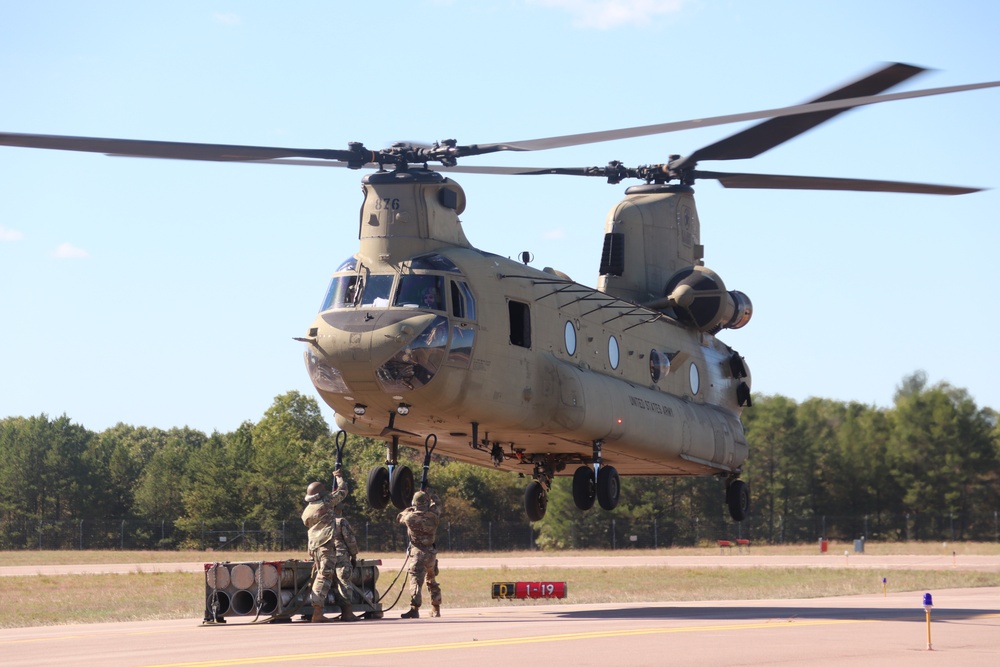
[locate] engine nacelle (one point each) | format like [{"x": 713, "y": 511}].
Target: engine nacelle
[{"x": 699, "y": 298}]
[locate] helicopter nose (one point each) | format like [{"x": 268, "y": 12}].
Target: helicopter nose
[{"x": 345, "y": 347}]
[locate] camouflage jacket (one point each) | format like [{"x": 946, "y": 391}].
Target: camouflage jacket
[
  {"x": 343, "y": 538},
  {"x": 421, "y": 524},
  {"x": 320, "y": 516}
]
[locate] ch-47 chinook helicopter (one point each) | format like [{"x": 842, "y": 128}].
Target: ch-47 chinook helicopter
[{"x": 425, "y": 341}]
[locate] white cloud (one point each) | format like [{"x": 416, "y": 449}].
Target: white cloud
[
  {"x": 70, "y": 251},
  {"x": 8, "y": 234},
  {"x": 554, "y": 235},
  {"x": 605, "y": 14}
]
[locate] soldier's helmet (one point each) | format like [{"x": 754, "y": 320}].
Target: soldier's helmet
[
  {"x": 315, "y": 491},
  {"x": 421, "y": 501}
]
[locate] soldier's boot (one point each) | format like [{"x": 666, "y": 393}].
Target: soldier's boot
[
  {"x": 318, "y": 616},
  {"x": 347, "y": 613},
  {"x": 436, "y": 611},
  {"x": 413, "y": 613}
]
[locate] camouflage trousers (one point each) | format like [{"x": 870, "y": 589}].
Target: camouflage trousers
[
  {"x": 423, "y": 566},
  {"x": 331, "y": 568}
]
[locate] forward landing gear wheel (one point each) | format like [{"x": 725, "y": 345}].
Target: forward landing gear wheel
[
  {"x": 401, "y": 487},
  {"x": 584, "y": 490},
  {"x": 378, "y": 487},
  {"x": 608, "y": 487},
  {"x": 738, "y": 499},
  {"x": 535, "y": 501}
]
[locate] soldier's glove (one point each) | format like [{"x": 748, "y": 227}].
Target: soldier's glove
[{"x": 354, "y": 561}]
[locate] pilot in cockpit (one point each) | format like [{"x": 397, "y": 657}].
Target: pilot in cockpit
[{"x": 430, "y": 299}]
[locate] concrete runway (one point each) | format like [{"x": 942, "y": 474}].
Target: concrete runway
[{"x": 855, "y": 630}]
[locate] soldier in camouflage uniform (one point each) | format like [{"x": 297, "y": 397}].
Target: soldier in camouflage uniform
[
  {"x": 332, "y": 545},
  {"x": 421, "y": 521}
]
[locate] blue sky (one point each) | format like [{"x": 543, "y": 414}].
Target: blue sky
[{"x": 167, "y": 293}]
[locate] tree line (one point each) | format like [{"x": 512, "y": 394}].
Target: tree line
[{"x": 927, "y": 467}]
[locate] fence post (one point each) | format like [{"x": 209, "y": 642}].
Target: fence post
[
  {"x": 40, "y": 534},
  {"x": 81, "y": 534},
  {"x": 613, "y": 536},
  {"x": 489, "y": 535},
  {"x": 282, "y": 535},
  {"x": 449, "y": 536},
  {"x": 655, "y": 543},
  {"x": 367, "y": 548},
  {"x": 123, "y": 534}
]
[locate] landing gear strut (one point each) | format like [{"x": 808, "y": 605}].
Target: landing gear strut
[
  {"x": 601, "y": 482},
  {"x": 392, "y": 481},
  {"x": 536, "y": 496}
]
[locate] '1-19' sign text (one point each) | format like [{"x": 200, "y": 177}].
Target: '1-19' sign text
[{"x": 528, "y": 589}]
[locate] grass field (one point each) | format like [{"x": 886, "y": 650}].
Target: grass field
[{"x": 47, "y": 600}]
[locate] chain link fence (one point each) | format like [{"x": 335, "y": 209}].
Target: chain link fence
[{"x": 21, "y": 532}]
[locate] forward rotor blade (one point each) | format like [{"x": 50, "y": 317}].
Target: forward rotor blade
[
  {"x": 764, "y": 136},
  {"x": 168, "y": 149},
  {"x": 780, "y": 182},
  {"x": 663, "y": 128}
]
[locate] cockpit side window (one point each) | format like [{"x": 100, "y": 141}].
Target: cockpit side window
[
  {"x": 463, "y": 305},
  {"x": 342, "y": 292},
  {"x": 421, "y": 291}
]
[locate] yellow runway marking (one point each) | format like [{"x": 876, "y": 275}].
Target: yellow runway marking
[{"x": 299, "y": 657}]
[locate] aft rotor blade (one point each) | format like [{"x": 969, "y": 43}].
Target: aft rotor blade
[
  {"x": 663, "y": 128},
  {"x": 780, "y": 182},
  {"x": 168, "y": 149},
  {"x": 762, "y": 137}
]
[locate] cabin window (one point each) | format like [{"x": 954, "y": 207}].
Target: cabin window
[
  {"x": 613, "y": 352},
  {"x": 694, "y": 378},
  {"x": 613, "y": 255},
  {"x": 659, "y": 365},
  {"x": 520, "y": 323},
  {"x": 376, "y": 291},
  {"x": 420, "y": 291},
  {"x": 569, "y": 335},
  {"x": 462, "y": 304}
]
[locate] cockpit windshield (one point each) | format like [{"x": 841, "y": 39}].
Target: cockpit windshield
[
  {"x": 376, "y": 291},
  {"x": 421, "y": 291}
]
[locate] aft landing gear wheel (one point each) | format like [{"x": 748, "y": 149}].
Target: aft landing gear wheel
[
  {"x": 378, "y": 487},
  {"x": 401, "y": 487},
  {"x": 608, "y": 487},
  {"x": 535, "y": 501},
  {"x": 584, "y": 490},
  {"x": 738, "y": 499}
]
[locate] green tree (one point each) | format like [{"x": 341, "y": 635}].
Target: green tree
[
  {"x": 943, "y": 454},
  {"x": 282, "y": 442}
]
